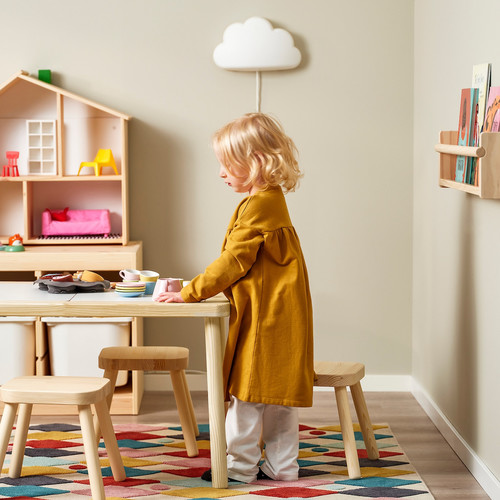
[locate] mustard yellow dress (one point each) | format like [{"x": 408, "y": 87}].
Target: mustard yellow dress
[{"x": 261, "y": 270}]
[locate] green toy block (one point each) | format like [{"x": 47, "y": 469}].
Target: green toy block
[{"x": 45, "y": 75}]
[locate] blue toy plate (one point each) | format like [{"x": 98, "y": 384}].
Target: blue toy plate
[{"x": 130, "y": 294}]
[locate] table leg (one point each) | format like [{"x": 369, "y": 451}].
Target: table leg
[{"x": 214, "y": 334}]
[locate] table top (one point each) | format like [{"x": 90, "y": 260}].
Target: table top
[{"x": 26, "y": 299}]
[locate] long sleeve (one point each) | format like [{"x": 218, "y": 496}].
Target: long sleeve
[{"x": 238, "y": 255}]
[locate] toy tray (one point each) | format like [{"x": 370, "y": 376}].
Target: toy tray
[{"x": 75, "y": 286}]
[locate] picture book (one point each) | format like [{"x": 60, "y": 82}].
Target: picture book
[
  {"x": 492, "y": 114},
  {"x": 481, "y": 79},
  {"x": 474, "y": 139},
  {"x": 468, "y": 101},
  {"x": 474, "y": 136}
]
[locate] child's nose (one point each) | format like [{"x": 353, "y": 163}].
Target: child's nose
[{"x": 222, "y": 172}]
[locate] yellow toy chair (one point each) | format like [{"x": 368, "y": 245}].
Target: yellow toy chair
[{"x": 104, "y": 158}]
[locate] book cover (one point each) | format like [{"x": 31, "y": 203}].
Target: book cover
[
  {"x": 474, "y": 136},
  {"x": 481, "y": 79},
  {"x": 464, "y": 126},
  {"x": 492, "y": 114}
]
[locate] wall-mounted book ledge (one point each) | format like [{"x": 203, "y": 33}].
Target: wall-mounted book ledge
[{"x": 488, "y": 163}]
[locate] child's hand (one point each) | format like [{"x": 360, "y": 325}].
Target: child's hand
[{"x": 169, "y": 297}]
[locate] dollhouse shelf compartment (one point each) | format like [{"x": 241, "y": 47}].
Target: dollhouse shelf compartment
[{"x": 488, "y": 164}]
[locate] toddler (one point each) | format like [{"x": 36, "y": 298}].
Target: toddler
[{"x": 268, "y": 361}]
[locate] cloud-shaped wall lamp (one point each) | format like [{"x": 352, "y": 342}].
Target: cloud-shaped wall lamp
[{"x": 256, "y": 46}]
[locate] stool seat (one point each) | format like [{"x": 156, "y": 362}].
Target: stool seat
[
  {"x": 156, "y": 358},
  {"x": 337, "y": 374},
  {"x": 55, "y": 390},
  {"x": 147, "y": 358},
  {"x": 24, "y": 392},
  {"x": 341, "y": 375}
]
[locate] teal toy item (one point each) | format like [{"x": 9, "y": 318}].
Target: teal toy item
[{"x": 14, "y": 248}]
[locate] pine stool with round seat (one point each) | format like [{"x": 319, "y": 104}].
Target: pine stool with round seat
[
  {"x": 81, "y": 391},
  {"x": 156, "y": 358},
  {"x": 341, "y": 375}
]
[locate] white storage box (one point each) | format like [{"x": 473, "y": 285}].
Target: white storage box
[
  {"x": 17, "y": 355},
  {"x": 75, "y": 344}
]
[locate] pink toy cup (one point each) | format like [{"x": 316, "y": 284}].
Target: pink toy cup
[
  {"x": 129, "y": 274},
  {"x": 167, "y": 285}
]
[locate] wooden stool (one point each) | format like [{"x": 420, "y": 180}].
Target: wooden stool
[
  {"x": 80, "y": 391},
  {"x": 156, "y": 358},
  {"x": 339, "y": 376}
]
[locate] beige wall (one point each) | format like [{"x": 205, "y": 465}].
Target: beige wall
[
  {"x": 348, "y": 107},
  {"x": 456, "y": 237}
]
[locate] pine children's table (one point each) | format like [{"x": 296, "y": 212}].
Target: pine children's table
[{"x": 26, "y": 299}]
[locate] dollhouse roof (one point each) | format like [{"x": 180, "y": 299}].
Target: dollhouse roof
[{"x": 24, "y": 76}]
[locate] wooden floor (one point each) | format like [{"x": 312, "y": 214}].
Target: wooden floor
[{"x": 435, "y": 461}]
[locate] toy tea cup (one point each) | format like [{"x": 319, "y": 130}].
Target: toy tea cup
[
  {"x": 150, "y": 278},
  {"x": 167, "y": 285},
  {"x": 130, "y": 274}
]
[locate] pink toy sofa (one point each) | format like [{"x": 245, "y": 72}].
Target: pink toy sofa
[{"x": 75, "y": 222}]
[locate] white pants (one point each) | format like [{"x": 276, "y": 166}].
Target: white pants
[{"x": 280, "y": 431}]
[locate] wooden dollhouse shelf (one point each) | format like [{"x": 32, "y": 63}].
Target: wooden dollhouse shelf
[
  {"x": 52, "y": 178},
  {"x": 44, "y": 258},
  {"x": 55, "y": 131},
  {"x": 75, "y": 240},
  {"x": 488, "y": 163}
]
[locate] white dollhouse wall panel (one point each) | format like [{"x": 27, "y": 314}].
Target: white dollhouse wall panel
[
  {"x": 86, "y": 130},
  {"x": 83, "y": 138},
  {"x": 77, "y": 195},
  {"x": 21, "y": 103},
  {"x": 11, "y": 209}
]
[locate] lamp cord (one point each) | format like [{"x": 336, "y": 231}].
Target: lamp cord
[{"x": 257, "y": 96}]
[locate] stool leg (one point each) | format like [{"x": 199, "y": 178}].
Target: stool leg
[
  {"x": 364, "y": 421},
  {"x": 22, "y": 427},
  {"x": 190, "y": 403},
  {"x": 91, "y": 454},
  {"x": 351, "y": 453},
  {"x": 184, "y": 413},
  {"x": 110, "y": 442},
  {"x": 112, "y": 375},
  {"x": 6, "y": 425}
]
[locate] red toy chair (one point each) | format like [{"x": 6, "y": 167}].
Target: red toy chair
[{"x": 10, "y": 170}]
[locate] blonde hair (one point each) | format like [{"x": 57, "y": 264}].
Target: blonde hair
[{"x": 256, "y": 146}]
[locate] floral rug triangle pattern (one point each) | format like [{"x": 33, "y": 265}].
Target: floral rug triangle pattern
[{"x": 157, "y": 467}]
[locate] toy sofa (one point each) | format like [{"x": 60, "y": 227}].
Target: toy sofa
[{"x": 75, "y": 222}]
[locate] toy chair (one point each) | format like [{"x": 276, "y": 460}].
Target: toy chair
[
  {"x": 10, "y": 170},
  {"x": 104, "y": 158}
]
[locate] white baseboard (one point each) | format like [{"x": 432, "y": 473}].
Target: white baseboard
[
  {"x": 197, "y": 381},
  {"x": 482, "y": 474}
]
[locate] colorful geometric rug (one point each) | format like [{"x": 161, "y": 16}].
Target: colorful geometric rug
[{"x": 157, "y": 467}]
